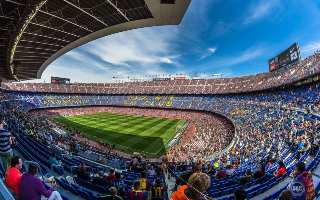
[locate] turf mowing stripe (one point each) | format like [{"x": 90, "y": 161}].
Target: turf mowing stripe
[
  {"x": 143, "y": 128},
  {"x": 129, "y": 141},
  {"x": 150, "y": 131},
  {"x": 155, "y": 126},
  {"x": 144, "y": 124},
  {"x": 123, "y": 129},
  {"x": 102, "y": 121},
  {"x": 124, "y": 117},
  {"x": 98, "y": 114},
  {"x": 173, "y": 130},
  {"x": 130, "y": 120},
  {"x": 121, "y": 125},
  {"x": 102, "y": 116},
  {"x": 150, "y": 147},
  {"x": 167, "y": 132},
  {"x": 155, "y": 143}
]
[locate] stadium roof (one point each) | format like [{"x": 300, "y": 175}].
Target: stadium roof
[{"x": 33, "y": 33}]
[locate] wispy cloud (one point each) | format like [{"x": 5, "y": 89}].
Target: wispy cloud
[
  {"x": 259, "y": 10},
  {"x": 231, "y": 61},
  {"x": 247, "y": 55},
  {"x": 310, "y": 47},
  {"x": 141, "y": 52},
  {"x": 209, "y": 51},
  {"x": 142, "y": 46}
]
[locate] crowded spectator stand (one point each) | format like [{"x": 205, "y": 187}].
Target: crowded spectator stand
[{"x": 272, "y": 133}]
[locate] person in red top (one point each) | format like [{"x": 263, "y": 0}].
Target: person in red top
[
  {"x": 112, "y": 175},
  {"x": 281, "y": 169},
  {"x": 13, "y": 175}
]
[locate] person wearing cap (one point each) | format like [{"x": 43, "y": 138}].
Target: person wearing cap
[{"x": 197, "y": 184}]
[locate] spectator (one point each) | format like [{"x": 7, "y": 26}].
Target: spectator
[
  {"x": 285, "y": 195},
  {"x": 221, "y": 174},
  {"x": 260, "y": 172},
  {"x": 281, "y": 169},
  {"x": 157, "y": 190},
  {"x": 32, "y": 188},
  {"x": 197, "y": 184},
  {"x": 229, "y": 170},
  {"x": 240, "y": 194},
  {"x": 136, "y": 193},
  {"x": 144, "y": 183},
  {"x": 5, "y": 146},
  {"x": 112, "y": 196},
  {"x": 151, "y": 171},
  {"x": 112, "y": 175},
  {"x": 56, "y": 165},
  {"x": 302, "y": 185},
  {"x": 82, "y": 172},
  {"x": 13, "y": 175}
]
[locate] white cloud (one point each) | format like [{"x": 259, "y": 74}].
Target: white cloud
[
  {"x": 136, "y": 53},
  {"x": 229, "y": 61},
  {"x": 260, "y": 10},
  {"x": 210, "y": 51},
  {"x": 141, "y": 46},
  {"x": 311, "y": 47}
]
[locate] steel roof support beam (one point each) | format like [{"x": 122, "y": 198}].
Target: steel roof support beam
[
  {"x": 118, "y": 9},
  {"x": 43, "y": 49},
  {"x": 44, "y": 43},
  {"x": 49, "y": 37},
  {"x": 32, "y": 52},
  {"x": 6, "y": 17},
  {"x": 92, "y": 16},
  {"x": 26, "y": 59},
  {"x": 27, "y": 56},
  {"x": 30, "y": 62},
  {"x": 65, "y": 20},
  {"x": 58, "y": 30},
  {"x": 14, "y": 2}
]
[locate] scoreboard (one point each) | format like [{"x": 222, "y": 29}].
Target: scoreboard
[
  {"x": 287, "y": 57},
  {"x": 59, "y": 80}
]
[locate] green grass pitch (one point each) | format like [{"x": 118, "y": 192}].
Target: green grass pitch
[{"x": 129, "y": 133}]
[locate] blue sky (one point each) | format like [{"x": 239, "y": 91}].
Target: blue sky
[{"x": 227, "y": 37}]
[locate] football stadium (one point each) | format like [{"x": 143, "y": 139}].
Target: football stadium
[{"x": 176, "y": 132}]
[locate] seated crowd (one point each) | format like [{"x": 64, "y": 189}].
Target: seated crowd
[
  {"x": 276, "y": 132},
  {"x": 287, "y": 75}
]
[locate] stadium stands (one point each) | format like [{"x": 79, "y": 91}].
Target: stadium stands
[
  {"x": 279, "y": 125},
  {"x": 285, "y": 76},
  {"x": 249, "y": 134}
]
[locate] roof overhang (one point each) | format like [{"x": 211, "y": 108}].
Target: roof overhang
[
  {"x": 37, "y": 32},
  {"x": 163, "y": 14}
]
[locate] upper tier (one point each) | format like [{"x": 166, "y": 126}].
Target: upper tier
[{"x": 304, "y": 69}]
